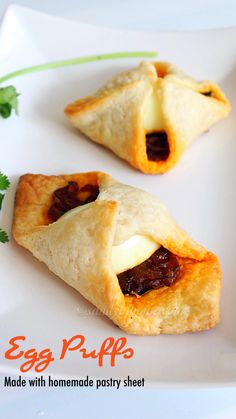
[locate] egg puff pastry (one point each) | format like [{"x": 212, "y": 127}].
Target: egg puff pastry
[
  {"x": 154, "y": 97},
  {"x": 78, "y": 249}
]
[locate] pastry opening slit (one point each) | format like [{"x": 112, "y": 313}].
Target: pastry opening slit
[
  {"x": 209, "y": 93},
  {"x": 161, "y": 70},
  {"x": 69, "y": 197}
]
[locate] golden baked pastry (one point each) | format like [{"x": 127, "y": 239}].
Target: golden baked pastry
[
  {"x": 149, "y": 115},
  {"x": 121, "y": 249}
]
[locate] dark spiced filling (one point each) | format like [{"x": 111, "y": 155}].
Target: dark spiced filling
[
  {"x": 157, "y": 146},
  {"x": 69, "y": 197},
  {"x": 160, "y": 270}
]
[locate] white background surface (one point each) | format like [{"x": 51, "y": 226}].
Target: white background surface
[
  {"x": 140, "y": 14},
  {"x": 60, "y": 404}
]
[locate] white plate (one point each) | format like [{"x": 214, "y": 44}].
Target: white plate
[{"x": 200, "y": 192}]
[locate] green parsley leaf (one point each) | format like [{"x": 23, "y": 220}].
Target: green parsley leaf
[
  {"x": 4, "y": 182},
  {"x": 3, "y": 236},
  {"x": 8, "y": 101},
  {"x": 5, "y": 110},
  {"x": 1, "y": 199}
]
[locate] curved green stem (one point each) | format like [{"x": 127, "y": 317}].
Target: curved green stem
[{"x": 79, "y": 60}]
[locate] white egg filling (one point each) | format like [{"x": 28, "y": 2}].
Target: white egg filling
[
  {"x": 73, "y": 211},
  {"x": 130, "y": 253},
  {"x": 152, "y": 114}
]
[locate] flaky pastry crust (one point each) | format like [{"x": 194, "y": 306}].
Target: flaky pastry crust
[
  {"x": 78, "y": 247},
  {"x": 113, "y": 116}
]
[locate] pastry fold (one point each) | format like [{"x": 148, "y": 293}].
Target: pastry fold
[
  {"x": 78, "y": 248},
  {"x": 115, "y": 116}
]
